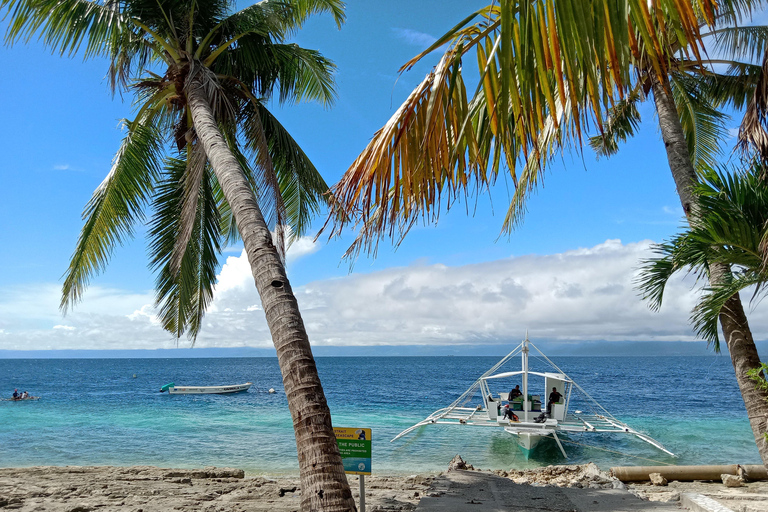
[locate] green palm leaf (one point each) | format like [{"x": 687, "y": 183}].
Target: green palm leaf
[
  {"x": 703, "y": 124},
  {"x": 184, "y": 288},
  {"x": 732, "y": 225},
  {"x": 114, "y": 209}
]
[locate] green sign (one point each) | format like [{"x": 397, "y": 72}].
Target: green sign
[{"x": 355, "y": 447}]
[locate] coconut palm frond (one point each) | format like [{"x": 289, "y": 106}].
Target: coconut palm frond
[
  {"x": 425, "y": 153},
  {"x": 703, "y": 124},
  {"x": 304, "y": 75},
  {"x": 183, "y": 293},
  {"x": 257, "y": 163},
  {"x": 228, "y": 224},
  {"x": 705, "y": 314},
  {"x": 655, "y": 273},
  {"x": 535, "y": 57},
  {"x": 64, "y": 25},
  {"x": 552, "y": 141},
  {"x": 296, "y": 12},
  {"x": 274, "y": 20},
  {"x": 681, "y": 253},
  {"x": 190, "y": 183},
  {"x": 735, "y": 87},
  {"x": 732, "y": 224},
  {"x": 753, "y": 137},
  {"x": 746, "y": 43},
  {"x": 302, "y": 188},
  {"x": 621, "y": 124},
  {"x": 116, "y": 205}
]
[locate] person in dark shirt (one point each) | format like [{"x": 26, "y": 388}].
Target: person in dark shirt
[
  {"x": 509, "y": 414},
  {"x": 554, "y": 397},
  {"x": 514, "y": 393}
]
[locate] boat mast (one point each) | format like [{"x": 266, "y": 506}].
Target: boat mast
[{"x": 524, "y": 354}]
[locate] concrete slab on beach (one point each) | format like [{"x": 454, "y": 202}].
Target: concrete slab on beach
[{"x": 475, "y": 491}]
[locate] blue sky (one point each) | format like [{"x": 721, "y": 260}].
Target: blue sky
[{"x": 565, "y": 273}]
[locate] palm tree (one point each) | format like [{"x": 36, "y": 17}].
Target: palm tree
[
  {"x": 202, "y": 75},
  {"x": 548, "y": 71},
  {"x": 730, "y": 230}
]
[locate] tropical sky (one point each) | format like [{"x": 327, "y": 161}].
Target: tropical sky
[{"x": 566, "y": 274}]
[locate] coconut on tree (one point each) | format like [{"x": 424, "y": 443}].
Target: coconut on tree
[
  {"x": 209, "y": 162},
  {"x": 548, "y": 72}
]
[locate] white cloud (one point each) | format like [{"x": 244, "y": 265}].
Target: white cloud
[
  {"x": 145, "y": 313},
  {"x": 61, "y": 167},
  {"x": 583, "y": 294},
  {"x": 673, "y": 210},
  {"x": 300, "y": 248},
  {"x": 414, "y": 37}
]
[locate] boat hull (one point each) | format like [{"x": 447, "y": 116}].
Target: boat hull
[
  {"x": 528, "y": 442},
  {"x": 209, "y": 390}
]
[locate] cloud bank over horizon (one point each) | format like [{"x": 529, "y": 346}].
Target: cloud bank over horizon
[{"x": 585, "y": 294}]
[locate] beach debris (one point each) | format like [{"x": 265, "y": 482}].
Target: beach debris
[
  {"x": 208, "y": 472},
  {"x": 657, "y": 479},
  {"x": 285, "y": 490},
  {"x": 732, "y": 481},
  {"x": 587, "y": 476},
  {"x": 458, "y": 463},
  {"x": 151, "y": 489}
]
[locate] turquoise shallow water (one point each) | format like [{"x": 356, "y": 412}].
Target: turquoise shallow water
[{"x": 93, "y": 412}]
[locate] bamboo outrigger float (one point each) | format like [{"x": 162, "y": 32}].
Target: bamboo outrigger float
[{"x": 534, "y": 423}]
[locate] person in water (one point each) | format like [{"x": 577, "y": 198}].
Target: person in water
[
  {"x": 554, "y": 397},
  {"x": 514, "y": 393}
]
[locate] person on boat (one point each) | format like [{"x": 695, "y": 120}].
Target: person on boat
[
  {"x": 554, "y": 397},
  {"x": 24, "y": 395},
  {"x": 509, "y": 414},
  {"x": 514, "y": 393},
  {"x": 15, "y": 394}
]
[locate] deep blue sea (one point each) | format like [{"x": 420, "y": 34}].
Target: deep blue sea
[{"x": 95, "y": 412}]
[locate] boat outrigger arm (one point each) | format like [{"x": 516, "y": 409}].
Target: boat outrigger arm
[{"x": 533, "y": 426}]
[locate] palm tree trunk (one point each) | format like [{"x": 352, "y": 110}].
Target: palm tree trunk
[
  {"x": 323, "y": 481},
  {"x": 738, "y": 337}
]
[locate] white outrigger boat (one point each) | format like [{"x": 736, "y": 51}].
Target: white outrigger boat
[
  {"x": 173, "y": 389},
  {"x": 533, "y": 424}
]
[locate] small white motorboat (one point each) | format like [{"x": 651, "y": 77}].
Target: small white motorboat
[{"x": 173, "y": 389}]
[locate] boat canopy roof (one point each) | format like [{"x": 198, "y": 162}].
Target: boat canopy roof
[{"x": 559, "y": 376}]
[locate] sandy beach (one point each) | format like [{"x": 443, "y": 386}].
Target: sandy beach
[{"x": 150, "y": 489}]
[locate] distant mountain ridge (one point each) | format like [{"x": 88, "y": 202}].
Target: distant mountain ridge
[{"x": 553, "y": 348}]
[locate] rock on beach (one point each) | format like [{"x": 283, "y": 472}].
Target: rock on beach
[
  {"x": 211, "y": 489},
  {"x": 152, "y": 489}
]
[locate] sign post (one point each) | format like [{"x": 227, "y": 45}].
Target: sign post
[{"x": 355, "y": 448}]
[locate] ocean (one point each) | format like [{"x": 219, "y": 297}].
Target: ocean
[{"x": 109, "y": 412}]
